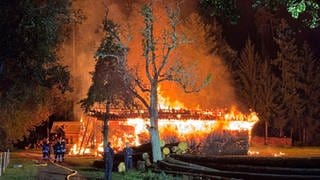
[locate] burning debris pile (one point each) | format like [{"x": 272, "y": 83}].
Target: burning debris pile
[{"x": 205, "y": 132}]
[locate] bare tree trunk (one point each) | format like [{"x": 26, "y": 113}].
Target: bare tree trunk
[
  {"x": 154, "y": 133},
  {"x": 105, "y": 135}
]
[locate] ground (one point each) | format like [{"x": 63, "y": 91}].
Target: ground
[{"x": 35, "y": 168}]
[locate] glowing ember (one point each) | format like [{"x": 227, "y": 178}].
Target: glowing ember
[
  {"x": 253, "y": 153},
  {"x": 280, "y": 154}
]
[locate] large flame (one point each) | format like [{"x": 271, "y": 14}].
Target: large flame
[
  {"x": 179, "y": 127},
  {"x": 166, "y": 103},
  {"x": 135, "y": 131}
]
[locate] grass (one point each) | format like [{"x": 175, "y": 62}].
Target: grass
[
  {"x": 84, "y": 166},
  {"x": 27, "y": 171},
  {"x": 131, "y": 175}
]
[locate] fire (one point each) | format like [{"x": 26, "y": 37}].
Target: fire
[
  {"x": 74, "y": 150},
  {"x": 135, "y": 130},
  {"x": 166, "y": 103},
  {"x": 175, "y": 124}
]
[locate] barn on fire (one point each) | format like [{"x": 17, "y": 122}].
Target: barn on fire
[
  {"x": 67, "y": 129},
  {"x": 206, "y": 132}
]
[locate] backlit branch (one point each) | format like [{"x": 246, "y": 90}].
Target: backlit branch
[
  {"x": 168, "y": 46},
  {"x": 185, "y": 77},
  {"x": 140, "y": 85}
]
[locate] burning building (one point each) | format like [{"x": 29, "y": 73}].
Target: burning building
[{"x": 206, "y": 132}]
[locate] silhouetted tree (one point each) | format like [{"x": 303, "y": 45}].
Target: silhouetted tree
[
  {"x": 248, "y": 74},
  {"x": 308, "y": 88},
  {"x": 111, "y": 81},
  {"x": 227, "y": 9},
  {"x": 30, "y": 72},
  {"x": 289, "y": 64}
]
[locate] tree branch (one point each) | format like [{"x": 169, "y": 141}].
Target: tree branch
[
  {"x": 173, "y": 16},
  {"x": 144, "y": 102},
  {"x": 143, "y": 89}
]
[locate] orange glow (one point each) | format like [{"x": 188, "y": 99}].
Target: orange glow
[
  {"x": 135, "y": 130},
  {"x": 166, "y": 103},
  {"x": 73, "y": 150},
  {"x": 175, "y": 124}
]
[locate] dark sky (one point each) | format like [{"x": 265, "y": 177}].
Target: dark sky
[{"x": 236, "y": 35}]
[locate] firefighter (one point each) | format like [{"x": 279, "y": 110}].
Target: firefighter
[
  {"x": 128, "y": 152},
  {"x": 63, "y": 149},
  {"x": 57, "y": 151},
  {"x": 45, "y": 149},
  {"x": 109, "y": 155}
]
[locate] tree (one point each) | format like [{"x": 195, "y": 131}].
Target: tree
[
  {"x": 111, "y": 81},
  {"x": 257, "y": 85},
  {"x": 159, "y": 69},
  {"x": 228, "y": 10},
  {"x": 265, "y": 21},
  {"x": 29, "y": 66},
  {"x": 224, "y": 9},
  {"x": 267, "y": 105},
  {"x": 308, "y": 85},
  {"x": 289, "y": 63},
  {"x": 296, "y": 9},
  {"x": 157, "y": 65},
  {"x": 248, "y": 74}
]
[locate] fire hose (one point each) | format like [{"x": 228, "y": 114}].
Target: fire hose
[{"x": 74, "y": 172}]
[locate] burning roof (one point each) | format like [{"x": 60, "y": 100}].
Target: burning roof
[{"x": 202, "y": 129}]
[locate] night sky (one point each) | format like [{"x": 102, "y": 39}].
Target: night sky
[{"x": 237, "y": 34}]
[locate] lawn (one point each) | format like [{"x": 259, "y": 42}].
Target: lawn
[
  {"x": 27, "y": 171},
  {"x": 84, "y": 166}
]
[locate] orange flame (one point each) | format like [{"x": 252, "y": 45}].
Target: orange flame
[
  {"x": 135, "y": 130},
  {"x": 166, "y": 103}
]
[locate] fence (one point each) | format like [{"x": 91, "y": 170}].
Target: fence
[{"x": 4, "y": 161}]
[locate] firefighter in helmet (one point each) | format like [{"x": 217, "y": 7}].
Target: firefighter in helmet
[
  {"x": 128, "y": 152},
  {"x": 109, "y": 155}
]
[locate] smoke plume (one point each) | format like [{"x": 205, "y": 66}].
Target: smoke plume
[{"x": 79, "y": 52}]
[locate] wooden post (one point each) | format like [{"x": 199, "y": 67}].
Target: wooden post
[
  {"x": 8, "y": 158},
  {"x": 1, "y": 164},
  {"x": 4, "y": 162}
]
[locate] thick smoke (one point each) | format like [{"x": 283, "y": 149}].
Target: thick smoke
[
  {"x": 79, "y": 52},
  {"x": 219, "y": 93}
]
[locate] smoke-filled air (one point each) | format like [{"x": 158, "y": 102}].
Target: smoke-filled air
[{"x": 196, "y": 52}]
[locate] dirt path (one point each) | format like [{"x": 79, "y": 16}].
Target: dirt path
[{"x": 47, "y": 170}]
